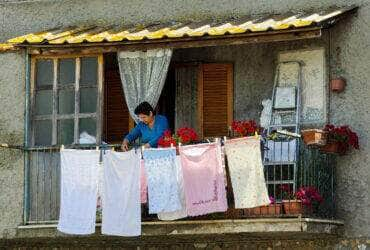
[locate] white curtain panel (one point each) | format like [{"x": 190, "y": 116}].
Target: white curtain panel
[{"x": 143, "y": 74}]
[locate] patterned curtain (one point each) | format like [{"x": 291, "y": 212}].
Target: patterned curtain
[{"x": 143, "y": 75}]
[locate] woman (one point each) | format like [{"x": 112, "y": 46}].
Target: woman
[{"x": 150, "y": 128}]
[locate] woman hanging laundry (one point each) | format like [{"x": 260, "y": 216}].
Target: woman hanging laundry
[{"x": 150, "y": 128}]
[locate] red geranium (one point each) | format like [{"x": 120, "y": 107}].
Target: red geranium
[
  {"x": 183, "y": 135},
  {"x": 245, "y": 128},
  {"x": 342, "y": 135}
]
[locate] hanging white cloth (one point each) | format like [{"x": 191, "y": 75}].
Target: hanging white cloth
[
  {"x": 160, "y": 166},
  {"x": 143, "y": 75},
  {"x": 121, "y": 195},
  {"x": 181, "y": 213},
  {"x": 79, "y": 188},
  {"x": 246, "y": 172}
]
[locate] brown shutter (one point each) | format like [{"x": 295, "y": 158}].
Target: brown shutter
[
  {"x": 116, "y": 123},
  {"x": 215, "y": 98}
]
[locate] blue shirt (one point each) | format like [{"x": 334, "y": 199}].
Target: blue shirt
[{"x": 149, "y": 135}]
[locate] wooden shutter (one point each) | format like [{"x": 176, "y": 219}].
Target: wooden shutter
[
  {"x": 215, "y": 99},
  {"x": 117, "y": 120}
]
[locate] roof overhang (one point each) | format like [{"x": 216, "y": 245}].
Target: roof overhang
[{"x": 233, "y": 31}]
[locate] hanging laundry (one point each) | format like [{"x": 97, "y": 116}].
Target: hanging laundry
[
  {"x": 79, "y": 190},
  {"x": 143, "y": 184},
  {"x": 121, "y": 195},
  {"x": 163, "y": 190},
  {"x": 246, "y": 172},
  {"x": 181, "y": 213},
  {"x": 204, "y": 181}
]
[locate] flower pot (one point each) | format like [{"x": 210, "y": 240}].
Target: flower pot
[
  {"x": 314, "y": 137},
  {"x": 331, "y": 148},
  {"x": 337, "y": 85},
  {"x": 272, "y": 209},
  {"x": 292, "y": 207}
]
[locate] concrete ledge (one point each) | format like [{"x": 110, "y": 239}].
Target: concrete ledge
[{"x": 305, "y": 227}]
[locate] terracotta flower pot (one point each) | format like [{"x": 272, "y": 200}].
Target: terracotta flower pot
[
  {"x": 293, "y": 207},
  {"x": 272, "y": 209},
  {"x": 331, "y": 147},
  {"x": 337, "y": 85},
  {"x": 314, "y": 137}
]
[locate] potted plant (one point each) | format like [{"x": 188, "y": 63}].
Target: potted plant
[
  {"x": 310, "y": 197},
  {"x": 291, "y": 205},
  {"x": 272, "y": 209},
  {"x": 314, "y": 137},
  {"x": 245, "y": 128},
  {"x": 183, "y": 135},
  {"x": 340, "y": 139},
  {"x": 307, "y": 198}
]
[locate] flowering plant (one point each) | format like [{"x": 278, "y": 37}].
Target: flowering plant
[
  {"x": 183, "y": 135},
  {"x": 342, "y": 135},
  {"x": 272, "y": 200},
  {"x": 309, "y": 195},
  {"x": 245, "y": 128}
]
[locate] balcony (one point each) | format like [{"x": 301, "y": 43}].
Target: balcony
[{"x": 312, "y": 168}]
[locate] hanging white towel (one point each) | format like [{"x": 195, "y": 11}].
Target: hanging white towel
[
  {"x": 181, "y": 213},
  {"x": 246, "y": 172},
  {"x": 121, "y": 195},
  {"x": 78, "y": 198},
  {"x": 160, "y": 166}
]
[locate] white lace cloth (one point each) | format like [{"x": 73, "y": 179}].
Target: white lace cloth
[
  {"x": 246, "y": 172},
  {"x": 179, "y": 214},
  {"x": 79, "y": 190},
  {"x": 161, "y": 172},
  {"x": 121, "y": 194}
]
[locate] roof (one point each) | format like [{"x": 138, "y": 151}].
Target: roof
[{"x": 177, "y": 30}]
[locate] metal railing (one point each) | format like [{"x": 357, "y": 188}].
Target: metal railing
[{"x": 313, "y": 169}]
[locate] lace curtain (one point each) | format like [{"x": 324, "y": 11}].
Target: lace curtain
[{"x": 143, "y": 74}]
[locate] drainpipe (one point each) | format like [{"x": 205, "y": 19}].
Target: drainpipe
[{"x": 26, "y": 135}]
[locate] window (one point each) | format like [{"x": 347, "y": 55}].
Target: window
[{"x": 66, "y": 99}]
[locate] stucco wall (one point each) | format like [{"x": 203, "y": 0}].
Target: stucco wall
[
  {"x": 11, "y": 131},
  {"x": 352, "y": 37}
]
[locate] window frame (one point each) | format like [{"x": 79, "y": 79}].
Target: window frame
[{"x": 76, "y": 115}]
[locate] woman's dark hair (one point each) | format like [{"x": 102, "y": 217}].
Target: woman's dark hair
[{"x": 144, "y": 108}]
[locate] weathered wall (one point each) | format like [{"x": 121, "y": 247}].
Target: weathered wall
[
  {"x": 12, "y": 92},
  {"x": 253, "y": 73},
  {"x": 349, "y": 52}
]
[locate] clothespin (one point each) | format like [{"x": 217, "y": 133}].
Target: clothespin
[
  {"x": 142, "y": 148},
  {"x": 97, "y": 148},
  {"x": 179, "y": 144},
  {"x": 256, "y": 134},
  {"x": 224, "y": 139},
  {"x": 216, "y": 140},
  {"x": 62, "y": 147},
  {"x": 171, "y": 145},
  {"x": 208, "y": 141},
  {"x": 113, "y": 149}
]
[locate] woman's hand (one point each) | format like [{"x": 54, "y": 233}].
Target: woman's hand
[{"x": 124, "y": 145}]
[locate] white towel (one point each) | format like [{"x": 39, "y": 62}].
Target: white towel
[
  {"x": 281, "y": 150},
  {"x": 79, "y": 187},
  {"x": 160, "y": 166},
  {"x": 181, "y": 213},
  {"x": 121, "y": 194},
  {"x": 246, "y": 172}
]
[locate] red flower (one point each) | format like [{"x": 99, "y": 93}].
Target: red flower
[
  {"x": 308, "y": 195},
  {"x": 245, "y": 128},
  {"x": 342, "y": 135}
]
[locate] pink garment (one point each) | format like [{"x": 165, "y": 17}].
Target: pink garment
[
  {"x": 143, "y": 184},
  {"x": 203, "y": 179}
]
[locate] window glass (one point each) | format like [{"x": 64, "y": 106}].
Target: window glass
[
  {"x": 66, "y": 72},
  {"x": 88, "y": 99},
  {"x": 44, "y": 72},
  {"x": 43, "y": 132},
  {"x": 89, "y": 70},
  {"x": 66, "y": 102},
  {"x": 44, "y": 102},
  {"x": 65, "y": 131}
]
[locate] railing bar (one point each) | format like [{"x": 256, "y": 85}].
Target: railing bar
[
  {"x": 37, "y": 185},
  {"x": 51, "y": 157},
  {"x": 43, "y": 183}
]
